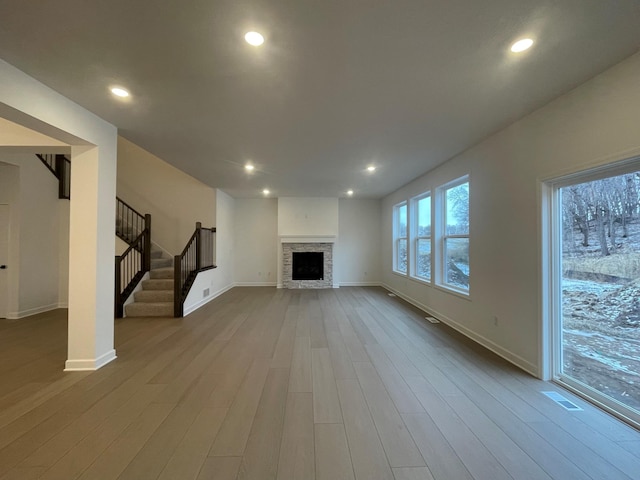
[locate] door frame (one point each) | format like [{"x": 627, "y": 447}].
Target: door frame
[{"x": 5, "y": 293}]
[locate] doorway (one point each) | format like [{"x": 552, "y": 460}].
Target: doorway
[{"x": 596, "y": 286}]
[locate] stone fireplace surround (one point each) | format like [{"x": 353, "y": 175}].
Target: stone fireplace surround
[{"x": 307, "y": 244}]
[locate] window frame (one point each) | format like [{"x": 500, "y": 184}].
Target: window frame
[
  {"x": 443, "y": 236},
  {"x": 415, "y": 237},
  {"x": 397, "y": 237}
]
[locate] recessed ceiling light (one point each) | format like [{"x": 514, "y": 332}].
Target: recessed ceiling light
[
  {"x": 349, "y": 192},
  {"x": 266, "y": 191},
  {"x": 119, "y": 92},
  {"x": 249, "y": 168},
  {"x": 371, "y": 168},
  {"x": 521, "y": 45},
  {"x": 254, "y": 38}
]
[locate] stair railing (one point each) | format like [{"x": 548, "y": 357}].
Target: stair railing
[
  {"x": 131, "y": 266},
  {"x": 197, "y": 256},
  {"x": 60, "y": 166}
]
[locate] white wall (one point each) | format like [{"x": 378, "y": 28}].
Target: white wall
[
  {"x": 307, "y": 216},
  {"x": 38, "y": 239},
  {"x": 220, "y": 279},
  {"x": 358, "y": 258},
  {"x": 256, "y": 241},
  {"x": 355, "y": 223},
  {"x": 594, "y": 124},
  {"x": 175, "y": 200}
]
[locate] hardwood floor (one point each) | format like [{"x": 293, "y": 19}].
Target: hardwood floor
[{"x": 291, "y": 384}]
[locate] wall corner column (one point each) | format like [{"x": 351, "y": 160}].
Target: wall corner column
[{"x": 92, "y": 251}]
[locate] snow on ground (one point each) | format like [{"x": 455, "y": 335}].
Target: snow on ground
[{"x": 601, "y": 337}]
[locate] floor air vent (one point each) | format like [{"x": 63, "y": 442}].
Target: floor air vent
[{"x": 559, "y": 399}]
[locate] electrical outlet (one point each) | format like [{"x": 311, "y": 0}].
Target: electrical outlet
[{"x": 205, "y": 293}]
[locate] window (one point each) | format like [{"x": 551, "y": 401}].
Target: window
[
  {"x": 454, "y": 254},
  {"x": 400, "y": 238},
  {"x": 421, "y": 209}
]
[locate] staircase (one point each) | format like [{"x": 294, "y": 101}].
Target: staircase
[{"x": 156, "y": 297}]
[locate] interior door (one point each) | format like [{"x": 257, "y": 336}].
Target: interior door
[{"x": 4, "y": 256}]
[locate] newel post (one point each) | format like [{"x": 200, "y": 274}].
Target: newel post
[
  {"x": 177, "y": 286},
  {"x": 118, "y": 291},
  {"x": 198, "y": 250},
  {"x": 147, "y": 243}
]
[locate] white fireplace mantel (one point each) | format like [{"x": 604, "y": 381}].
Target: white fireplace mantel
[{"x": 308, "y": 238}]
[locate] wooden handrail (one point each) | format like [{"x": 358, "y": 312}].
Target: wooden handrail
[
  {"x": 197, "y": 256},
  {"x": 60, "y": 166},
  {"x": 131, "y": 266},
  {"x": 118, "y": 199}
]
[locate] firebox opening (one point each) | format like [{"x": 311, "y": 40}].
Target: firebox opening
[{"x": 308, "y": 266}]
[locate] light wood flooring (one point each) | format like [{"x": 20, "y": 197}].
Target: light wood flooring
[{"x": 346, "y": 384}]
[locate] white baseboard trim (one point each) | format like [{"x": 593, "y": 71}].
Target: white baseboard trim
[
  {"x": 63, "y": 305},
  {"x": 255, "y": 284},
  {"x": 83, "y": 365},
  {"x": 511, "y": 357},
  {"x": 360, "y": 284},
  {"x": 31, "y": 311},
  {"x": 206, "y": 300}
]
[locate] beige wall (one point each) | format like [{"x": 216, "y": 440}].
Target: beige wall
[
  {"x": 595, "y": 124},
  {"x": 175, "y": 200}
]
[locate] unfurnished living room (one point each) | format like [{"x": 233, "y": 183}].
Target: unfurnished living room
[{"x": 351, "y": 240}]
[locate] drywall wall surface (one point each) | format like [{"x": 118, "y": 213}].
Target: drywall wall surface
[
  {"x": 63, "y": 253},
  {"x": 358, "y": 258},
  {"x": 35, "y": 259},
  {"x": 175, "y": 200},
  {"x": 307, "y": 216},
  {"x": 255, "y": 241},
  {"x": 593, "y": 125}
]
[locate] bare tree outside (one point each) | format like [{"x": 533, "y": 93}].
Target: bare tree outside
[
  {"x": 601, "y": 285},
  {"x": 457, "y": 224}
]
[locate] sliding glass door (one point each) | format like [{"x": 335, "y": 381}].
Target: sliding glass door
[{"x": 597, "y": 345}]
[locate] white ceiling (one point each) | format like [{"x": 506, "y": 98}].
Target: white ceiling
[{"x": 338, "y": 85}]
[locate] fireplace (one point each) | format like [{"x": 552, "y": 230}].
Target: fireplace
[{"x": 307, "y": 266}]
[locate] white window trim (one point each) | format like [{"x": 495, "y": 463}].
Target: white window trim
[
  {"x": 441, "y": 236},
  {"x": 397, "y": 237},
  {"x": 415, "y": 238}
]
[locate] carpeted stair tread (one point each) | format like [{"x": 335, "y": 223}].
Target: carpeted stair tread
[
  {"x": 150, "y": 309},
  {"x": 160, "y": 263},
  {"x": 158, "y": 284},
  {"x": 161, "y": 273},
  {"x": 153, "y": 296}
]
